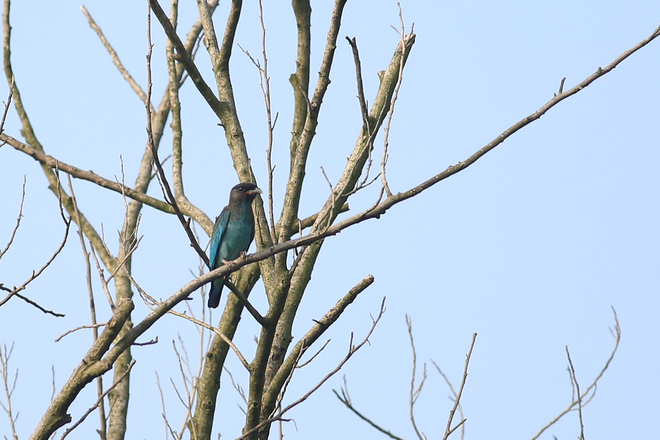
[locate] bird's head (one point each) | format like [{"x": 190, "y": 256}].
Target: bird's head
[{"x": 244, "y": 191}]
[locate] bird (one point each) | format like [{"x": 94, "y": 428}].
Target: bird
[{"x": 232, "y": 235}]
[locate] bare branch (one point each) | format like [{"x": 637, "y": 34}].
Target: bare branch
[
  {"x": 217, "y": 332},
  {"x": 5, "y": 355},
  {"x": 90, "y": 368},
  {"x": 301, "y": 150},
  {"x": 345, "y": 399},
  {"x": 34, "y": 304},
  {"x": 115, "y": 58},
  {"x": 68, "y": 332},
  {"x": 98, "y": 402},
  {"x": 453, "y": 392},
  {"x": 574, "y": 381},
  {"x": 184, "y": 57},
  {"x": 320, "y": 326},
  {"x": 104, "y": 282},
  {"x": 7, "y": 105},
  {"x": 90, "y": 176},
  {"x": 351, "y": 351},
  {"x": 248, "y": 305},
  {"x": 18, "y": 221},
  {"x": 264, "y": 80},
  {"x": 589, "y": 393},
  {"x": 168, "y": 429},
  {"x": 92, "y": 309},
  {"x": 360, "y": 86},
  {"x": 449, "y": 430},
  {"x": 390, "y": 114},
  {"x": 35, "y": 274},
  {"x": 414, "y": 391},
  {"x": 237, "y": 387}
]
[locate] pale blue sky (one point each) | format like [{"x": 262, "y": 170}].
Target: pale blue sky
[{"x": 530, "y": 247}]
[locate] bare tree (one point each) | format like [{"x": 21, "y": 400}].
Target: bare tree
[{"x": 288, "y": 245}]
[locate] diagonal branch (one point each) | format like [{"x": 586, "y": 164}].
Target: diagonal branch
[
  {"x": 351, "y": 351},
  {"x": 18, "y": 222},
  {"x": 449, "y": 430},
  {"x": 312, "y": 336},
  {"x": 183, "y": 56},
  {"x": 591, "y": 389},
  {"x": 574, "y": 381},
  {"x": 360, "y": 86},
  {"x": 415, "y": 390},
  {"x": 35, "y": 274},
  {"x": 115, "y": 58},
  {"x": 99, "y": 402},
  {"x": 90, "y": 176},
  {"x": 347, "y": 403}
]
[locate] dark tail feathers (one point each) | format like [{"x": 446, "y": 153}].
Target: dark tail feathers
[{"x": 215, "y": 292}]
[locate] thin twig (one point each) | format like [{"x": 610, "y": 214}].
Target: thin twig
[
  {"x": 18, "y": 221},
  {"x": 318, "y": 352},
  {"x": 366, "y": 125},
  {"x": 360, "y": 86},
  {"x": 35, "y": 304},
  {"x": 319, "y": 327},
  {"x": 414, "y": 391},
  {"x": 451, "y": 388},
  {"x": 68, "y": 332},
  {"x": 390, "y": 115},
  {"x": 7, "y": 105},
  {"x": 449, "y": 430},
  {"x": 168, "y": 428},
  {"x": 577, "y": 389},
  {"x": 104, "y": 282},
  {"x": 237, "y": 387},
  {"x": 561, "y": 86},
  {"x": 589, "y": 393},
  {"x": 35, "y": 274},
  {"x": 9, "y": 390},
  {"x": 217, "y": 332},
  {"x": 345, "y": 399}
]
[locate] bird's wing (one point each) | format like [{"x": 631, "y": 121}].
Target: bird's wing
[{"x": 216, "y": 237}]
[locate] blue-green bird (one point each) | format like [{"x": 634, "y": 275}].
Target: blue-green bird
[{"x": 232, "y": 234}]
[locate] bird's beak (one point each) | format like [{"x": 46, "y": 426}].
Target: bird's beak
[{"x": 255, "y": 191}]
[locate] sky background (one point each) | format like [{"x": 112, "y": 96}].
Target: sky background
[{"x": 531, "y": 247}]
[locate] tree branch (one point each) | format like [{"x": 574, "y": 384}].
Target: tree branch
[
  {"x": 449, "y": 430},
  {"x": 591, "y": 389},
  {"x": 351, "y": 351},
  {"x": 90, "y": 176},
  {"x": 115, "y": 58}
]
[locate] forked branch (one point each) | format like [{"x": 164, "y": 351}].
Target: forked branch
[{"x": 580, "y": 400}]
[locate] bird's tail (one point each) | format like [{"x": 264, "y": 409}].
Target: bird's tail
[{"x": 215, "y": 292}]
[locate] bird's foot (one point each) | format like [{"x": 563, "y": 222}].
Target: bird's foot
[{"x": 231, "y": 263}]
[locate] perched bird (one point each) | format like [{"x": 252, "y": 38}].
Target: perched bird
[{"x": 232, "y": 234}]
